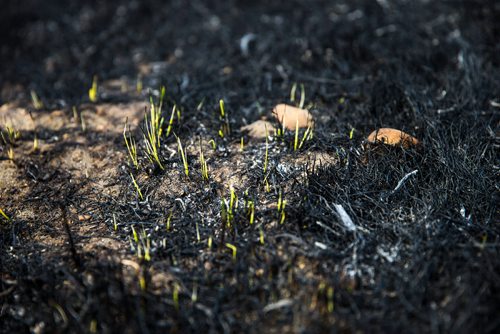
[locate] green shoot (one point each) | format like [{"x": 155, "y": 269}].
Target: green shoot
[
  {"x": 75, "y": 114},
  {"x": 115, "y": 224},
  {"x": 194, "y": 294},
  {"x": 175, "y": 296},
  {"x": 135, "y": 235},
  {"x": 169, "y": 220},
  {"x": 214, "y": 145},
  {"x": 226, "y": 213},
  {"x": 222, "y": 111},
  {"x": 251, "y": 211},
  {"x": 281, "y": 207},
  {"x": 4, "y": 215},
  {"x": 147, "y": 250},
  {"x": 171, "y": 121},
  {"x": 307, "y": 136},
  {"x": 266, "y": 157},
  {"x": 351, "y": 133},
  {"x": 296, "y": 138},
  {"x": 282, "y": 213},
  {"x": 200, "y": 105},
  {"x": 261, "y": 235},
  {"x": 178, "y": 114},
  {"x": 225, "y": 128},
  {"x": 280, "y": 200},
  {"x": 233, "y": 249},
  {"x": 233, "y": 199},
  {"x": 293, "y": 92},
  {"x": 35, "y": 100},
  {"x": 209, "y": 242},
  {"x": 35, "y": 143},
  {"x": 82, "y": 122},
  {"x": 131, "y": 145},
  {"x": 183, "y": 156},
  {"x": 10, "y": 153},
  {"x": 137, "y": 189},
  {"x": 138, "y": 84},
  {"x": 203, "y": 163},
  {"x": 302, "y": 96},
  {"x": 330, "y": 305},
  {"x": 268, "y": 187},
  {"x": 198, "y": 238},
  {"x": 93, "y": 90}
]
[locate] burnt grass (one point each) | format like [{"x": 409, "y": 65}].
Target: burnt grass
[{"x": 423, "y": 256}]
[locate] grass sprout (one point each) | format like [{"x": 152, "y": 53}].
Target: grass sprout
[
  {"x": 233, "y": 249},
  {"x": 171, "y": 121},
  {"x": 93, "y": 90},
  {"x": 293, "y": 92},
  {"x": 266, "y": 156},
  {"x": 152, "y": 139},
  {"x": 131, "y": 144},
  {"x": 330, "y": 305},
  {"x": 203, "y": 164},
  {"x": 138, "y": 84},
  {"x": 175, "y": 296},
  {"x": 225, "y": 127},
  {"x": 183, "y": 156},
  {"x": 308, "y": 134},
  {"x": 302, "y": 96},
  {"x": 251, "y": 211},
  {"x": 35, "y": 144},
  {"x": 169, "y": 221},
  {"x": 4, "y": 215},
  {"x": 296, "y": 137},
  {"x": 137, "y": 189},
  {"x": 35, "y": 100}
]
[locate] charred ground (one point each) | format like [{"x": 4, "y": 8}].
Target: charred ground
[{"x": 421, "y": 257}]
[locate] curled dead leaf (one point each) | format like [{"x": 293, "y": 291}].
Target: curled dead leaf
[
  {"x": 290, "y": 115},
  {"x": 392, "y": 137},
  {"x": 257, "y": 129}
]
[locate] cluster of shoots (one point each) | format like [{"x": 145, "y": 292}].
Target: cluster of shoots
[
  {"x": 78, "y": 118},
  {"x": 9, "y": 137},
  {"x": 228, "y": 207},
  {"x": 281, "y": 207},
  {"x": 308, "y": 135},
  {"x": 225, "y": 128},
  {"x": 140, "y": 243},
  {"x": 153, "y": 130},
  {"x": 203, "y": 164},
  {"x": 324, "y": 291}
]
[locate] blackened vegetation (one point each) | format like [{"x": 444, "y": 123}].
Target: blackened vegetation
[{"x": 383, "y": 240}]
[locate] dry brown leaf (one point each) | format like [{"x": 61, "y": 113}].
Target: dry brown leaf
[
  {"x": 392, "y": 137},
  {"x": 290, "y": 115},
  {"x": 257, "y": 129}
]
